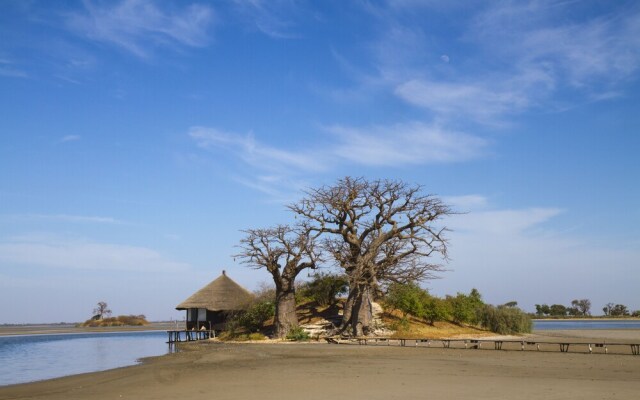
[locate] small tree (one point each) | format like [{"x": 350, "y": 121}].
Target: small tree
[
  {"x": 558, "y": 310},
  {"x": 101, "y": 310},
  {"x": 435, "y": 309},
  {"x": 619, "y": 310},
  {"x": 607, "y": 308},
  {"x": 464, "y": 307},
  {"x": 542, "y": 310},
  {"x": 409, "y": 298},
  {"x": 583, "y": 306}
]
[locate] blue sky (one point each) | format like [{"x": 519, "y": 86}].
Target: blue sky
[{"x": 137, "y": 138}]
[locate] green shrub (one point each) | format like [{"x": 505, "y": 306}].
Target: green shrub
[
  {"x": 464, "y": 308},
  {"x": 254, "y": 317},
  {"x": 408, "y": 298},
  {"x": 297, "y": 334},
  {"x": 505, "y": 320},
  {"x": 323, "y": 289},
  {"x": 435, "y": 309}
]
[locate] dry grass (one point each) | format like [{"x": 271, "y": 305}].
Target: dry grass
[{"x": 415, "y": 328}]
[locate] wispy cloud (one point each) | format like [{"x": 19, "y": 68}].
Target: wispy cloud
[
  {"x": 70, "y": 138},
  {"x": 502, "y": 222},
  {"x": 9, "y": 70},
  {"x": 509, "y": 58},
  {"x": 254, "y": 152},
  {"x": 74, "y": 253},
  {"x": 586, "y": 53},
  {"x": 467, "y": 202},
  {"x": 472, "y": 100},
  {"x": 273, "y": 171},
  {"x": 66, "y": 218},
  {"x": 138, "y": 26},
  {"x": 274, "y": 18},
  {"x": 405, "y": 144},
  {"x": 280, "y": 172}
]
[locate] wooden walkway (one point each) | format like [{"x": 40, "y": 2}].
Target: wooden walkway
[
  {"x": 563, "y": 346},
  {"x": 189, "y": 336}
]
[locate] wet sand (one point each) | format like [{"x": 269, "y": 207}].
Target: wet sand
[{"x": 321, "y": 371}]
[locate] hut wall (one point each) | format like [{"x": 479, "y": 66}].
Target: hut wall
[{"x": 198, "y": 319}]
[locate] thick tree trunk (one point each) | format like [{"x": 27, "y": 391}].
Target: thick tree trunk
[
  {"x": 358, "y": 312},
  {"x": 286, "y": 317}
]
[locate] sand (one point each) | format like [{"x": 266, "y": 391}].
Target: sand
[{"x": 321, "y": 371}]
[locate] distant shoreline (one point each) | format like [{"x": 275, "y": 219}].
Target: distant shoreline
[
  {"x": 44, "y": 329},
  {"x": 588, "y": 319}
]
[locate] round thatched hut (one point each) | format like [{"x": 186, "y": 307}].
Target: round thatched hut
[{"x": 208, "y": 307}]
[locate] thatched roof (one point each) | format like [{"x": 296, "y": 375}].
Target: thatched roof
[{"x": 221, "y": 294}]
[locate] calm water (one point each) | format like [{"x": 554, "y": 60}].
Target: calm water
[
  {"x": 35, "y": 357},
  {"x": 547, "y": 325}
]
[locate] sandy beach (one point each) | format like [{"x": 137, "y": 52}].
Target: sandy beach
[{"x": 320, "y": 371}]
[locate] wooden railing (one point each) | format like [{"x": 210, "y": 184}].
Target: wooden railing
[{"x": 522, "y": 345}]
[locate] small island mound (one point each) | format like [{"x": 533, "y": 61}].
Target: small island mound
[
  {"x": 101, "y": 318},
  {"x": 120, "y": 320}
]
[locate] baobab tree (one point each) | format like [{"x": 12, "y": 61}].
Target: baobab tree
[
  {"x": 377, "y": 231},
  {"x": 101, "y": 310},
  {"x": 284, "y": 252}
]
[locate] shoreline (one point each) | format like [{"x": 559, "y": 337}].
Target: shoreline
[
  {"x": 320, "y": 370},
  {"x": 233, "y": 371}
]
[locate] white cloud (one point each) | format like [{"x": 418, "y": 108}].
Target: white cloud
[
  {"x": 276, "y": 19},
  {"x": 502, "y": 222},
  {"x": 405, "y": 144},
  {"x": 466, "y": 202},
  {"x": 518, "y": 57},
  {"x": 70, "y": 138},
  {"x": 482, "y": 102},
  {"x": 279, "y": 173},
  {"x": 139, "y": 25},
  {"x": 254, "y": 152},
  {"x": 8, "y": 69},
  {"x": 272, "y": 171},
  {"x": 60, "y": 252},
  {"x": 582, "y": 52},
  {"x": 66, "y": 218}
]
